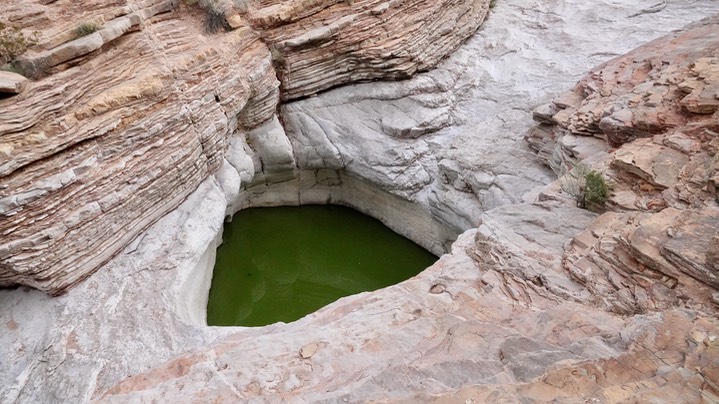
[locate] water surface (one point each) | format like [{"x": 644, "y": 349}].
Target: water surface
[{"x": 279, "y": 264}]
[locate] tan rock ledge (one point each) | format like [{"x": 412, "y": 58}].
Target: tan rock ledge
[{"x": 12, "y": 83}]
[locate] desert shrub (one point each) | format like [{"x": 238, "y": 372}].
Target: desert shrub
[
  {"x": 586, "y": 186},
  {"x": 13, "y": 42},
  {"x": 595, "y": 188},
  {"x": 215, "y": 21},
  {"x": 277, "y": 55},
  {"x": 85, "y": 29}
]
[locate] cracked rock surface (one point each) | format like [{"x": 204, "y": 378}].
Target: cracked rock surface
[{"x": 504, "y": 315}]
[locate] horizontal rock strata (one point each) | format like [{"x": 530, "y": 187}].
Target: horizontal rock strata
[
  {"x": 12, "y": 83},
  {"x": 669, "y": 83},
  {"x": 322, "y": 44},
  {"x": 509, "y": 314},
  {"x": 105, "y": 145},
  {"x": 648, "y": 122},
  {"x": 123, "y": 123}
]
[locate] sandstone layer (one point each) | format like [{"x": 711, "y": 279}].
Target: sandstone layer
[
  {"x": 649, "y": 122},
  {"x": 500, "y": 317},
  {"x": 123, "y": 124},
  {"x": 326, "y": 43}
]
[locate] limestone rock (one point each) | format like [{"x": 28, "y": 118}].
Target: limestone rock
[
  {"x": 124, "y": 123},
  {"x": 652, "y": 106},
  {"x": 643, "y": 93},
  {"x": 638, "y": 262},
  {"x": 511, "y": 323}
]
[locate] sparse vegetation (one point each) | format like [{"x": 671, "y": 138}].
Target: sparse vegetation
[
  {"x": 13, "y": 42},
  {"x": 85, "y": 29},
  {"x": 276, "y": 54},
  {"x": 10, "y": 68},
  {"x": 595, "y": 188},
  {"x": 588, "y": 187},
  {"x": 215, "y": 21},
  {"x": 214, "y": 17}
]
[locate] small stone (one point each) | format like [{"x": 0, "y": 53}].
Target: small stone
[
  {"x": 308, "y": 350},
  {"x": 235, "y": 21},
  {"x": 437, "y": 289}
]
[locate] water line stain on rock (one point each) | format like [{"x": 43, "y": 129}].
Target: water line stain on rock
[{"x": 282, "y": 263}]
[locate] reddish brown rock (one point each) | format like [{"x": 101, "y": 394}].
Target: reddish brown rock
[
  {"x": 11, "y": 83},
  {"x": 122, "y": 124},
  {"x": 667, "y": 84},
  {"x": 326, "y": 43},
  {"x": 109, "y": 142},
  {"x": 653, "y": 107}
]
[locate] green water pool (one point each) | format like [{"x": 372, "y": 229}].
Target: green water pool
[{"x": 280, "y": 264}]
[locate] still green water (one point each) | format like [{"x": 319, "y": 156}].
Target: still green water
[{"x": 280, "y": 264}]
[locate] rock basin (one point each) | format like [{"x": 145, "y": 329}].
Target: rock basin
[
  {"x": 481, "y": 324},
  {"x": 282, "y": 263}
]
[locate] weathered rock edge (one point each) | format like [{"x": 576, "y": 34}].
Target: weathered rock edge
[
  {"x": 130, "y": 119},
  {"x": 649, "y": 122},
  {"x": 463, "y": 330}
]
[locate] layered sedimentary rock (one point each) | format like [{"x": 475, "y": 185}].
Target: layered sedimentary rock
[
  {"x": 501, "y": 317},
  {"x": 322, "y": 44},
  {"x": 109, "y": 142},
  {"x": 122, "y": 124},
  {"x": 649, "y": 122},
  {"x": 668, "y": 86},
  {"x": 12, "y": 83}
]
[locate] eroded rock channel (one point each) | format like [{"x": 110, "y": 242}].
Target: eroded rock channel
[{"x": 128, "y": 148}]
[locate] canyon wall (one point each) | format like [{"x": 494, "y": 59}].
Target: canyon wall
[
  {"x": 121, "y": 125},
  {"x": 648, "y": 122},
  {"x": 538, "y": 300}
]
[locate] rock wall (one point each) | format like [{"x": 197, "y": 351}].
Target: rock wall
[
  {"x": 123, "y": 124},
  {"x": 322, "y": 44},
  {"x": 498, "y": 318},
  {"x": 648, "y": 121}
]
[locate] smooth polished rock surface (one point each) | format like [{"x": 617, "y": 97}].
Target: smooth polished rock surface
[
  {"x": 495, "y": 319},
  {"x": 122, "y": 124}
]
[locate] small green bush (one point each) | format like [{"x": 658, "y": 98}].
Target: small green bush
[
  {"x": 595, "y": 188},
  {"x": 13, "y": 42},
  {"x": 588, "y": 187},
  {"x": 85, "y": 29}
]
